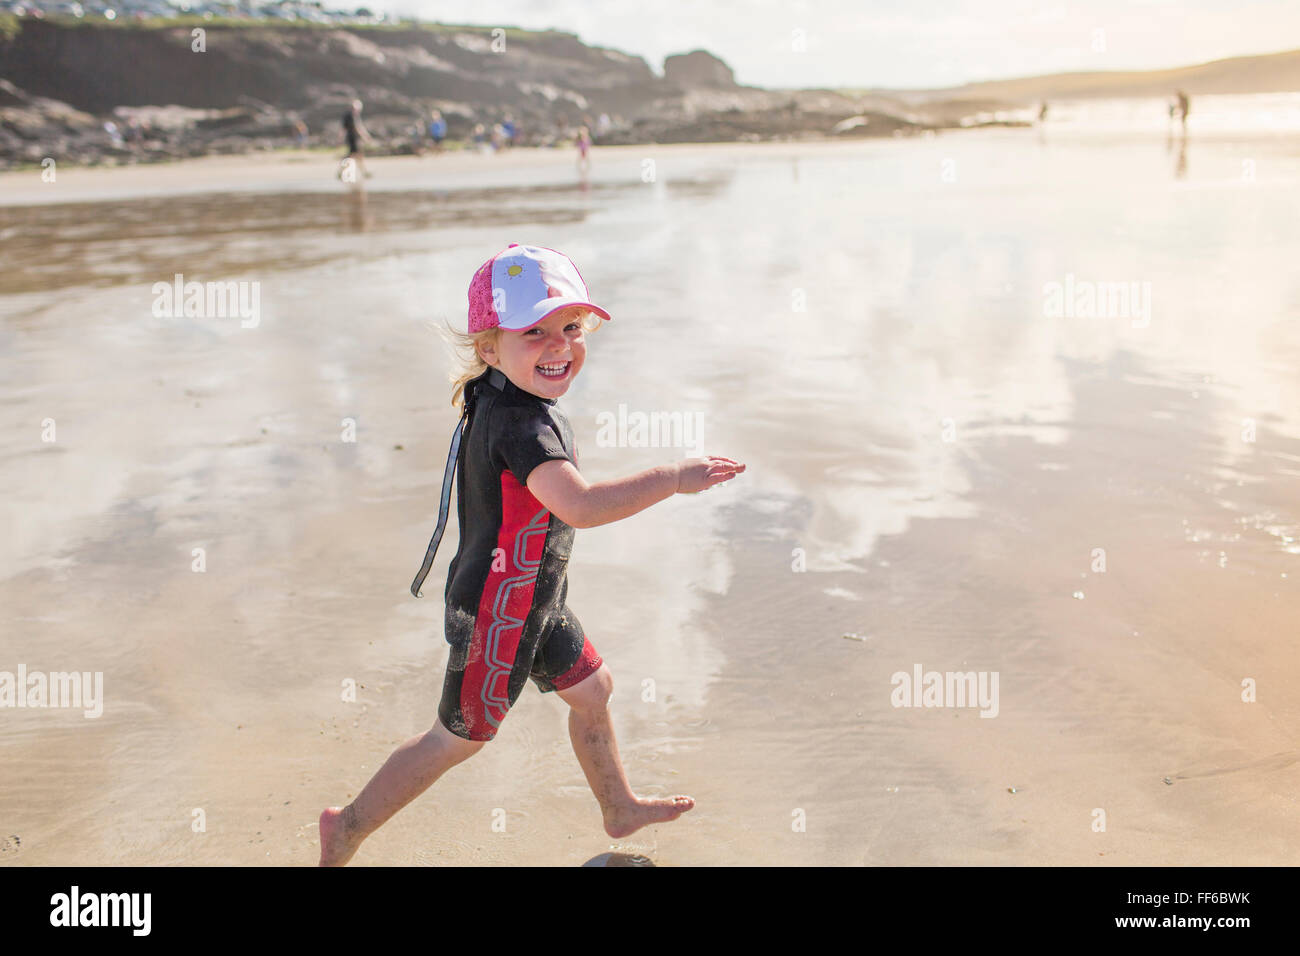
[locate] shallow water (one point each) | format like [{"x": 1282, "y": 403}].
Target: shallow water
[{"x": 869, "y": 326}]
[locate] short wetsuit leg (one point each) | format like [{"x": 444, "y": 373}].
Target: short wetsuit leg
[
  {"x": 474, "y": 708},
  {"x": 450, "y": 711},
  {"x": 484, "y": 678},
  {"x": 565, "y": 656}
]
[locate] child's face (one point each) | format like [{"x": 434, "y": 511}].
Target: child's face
[{"x": 543, "y": 359}]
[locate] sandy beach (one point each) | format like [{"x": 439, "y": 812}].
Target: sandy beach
[
  {"x": 945, "y": 473},
  {"x": 289, "y": 171}
]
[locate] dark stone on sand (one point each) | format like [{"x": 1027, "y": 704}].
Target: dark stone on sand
[{"x": 620, "y": 859}]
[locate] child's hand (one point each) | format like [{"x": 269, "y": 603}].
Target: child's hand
[{"x": 697, "y": 474}]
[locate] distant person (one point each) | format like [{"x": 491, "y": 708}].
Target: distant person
[
  {"x": 299, "y": 132},
  {"x": 355, "y": 132},
  {"x": 437, "y": 130},
  {"x": 114, "y": 134},
  {"x": 508, "y": 130},
  {"x": 480, "y": 138},
  {"x": 1184, "y": 107},
  {"x": 584, "y": 149},
  {"x": 602, "y": 125},
  {"x": 1042, "y": 112}
]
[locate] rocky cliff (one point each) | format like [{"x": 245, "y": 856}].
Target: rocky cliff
[{"x": 171, "y": 92}]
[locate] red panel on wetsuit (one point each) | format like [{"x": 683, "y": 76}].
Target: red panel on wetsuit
[
  {"x": 503, "y": 608},
  {"x": 588, "y": 663}
]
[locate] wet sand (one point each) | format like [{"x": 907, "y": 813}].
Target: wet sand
[
  {"x": 294, "y": 171},
  {"x": 863, "y": 324}
]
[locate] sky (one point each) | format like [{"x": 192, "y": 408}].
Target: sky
[{"x": 899, "y": 43}]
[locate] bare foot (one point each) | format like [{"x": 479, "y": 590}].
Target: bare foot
[
  {"x": 620, "y": 821},
  {"x": 338, "y": 840}
]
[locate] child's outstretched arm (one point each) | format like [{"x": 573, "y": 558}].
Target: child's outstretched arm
[{"x": 565, "y": 493}]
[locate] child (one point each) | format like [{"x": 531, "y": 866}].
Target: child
[
  {"x": 584, "y": 147},
  {"x": 520, "y": 496}
]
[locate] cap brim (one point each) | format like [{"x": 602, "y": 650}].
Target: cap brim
[{"x": 530, "y": 317}]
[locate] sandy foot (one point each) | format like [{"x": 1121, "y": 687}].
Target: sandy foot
[
  {"x": 335, "y": 847},
  {"x": 621, "y": 821}
]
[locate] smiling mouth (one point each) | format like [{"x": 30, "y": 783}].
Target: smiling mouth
[{"x": 554, "y": 370}]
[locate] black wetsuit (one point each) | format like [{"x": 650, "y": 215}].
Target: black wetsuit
[
  {"x": 350, "y": 128},
  {"x": 506, "y": 618}
]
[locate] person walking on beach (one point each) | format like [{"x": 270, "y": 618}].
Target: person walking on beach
[
  {"x": 521, "y": 496},
  {"x": 1184, "y": 107},
  {"x": 584, "y": 148},
  {"x": 355, "y": 132},
  {"x": 437, "y": 130}
]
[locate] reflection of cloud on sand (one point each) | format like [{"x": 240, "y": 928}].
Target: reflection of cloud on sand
[{"x": 638, "y": 586}]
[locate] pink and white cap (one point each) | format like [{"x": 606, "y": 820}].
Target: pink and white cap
[{"x": 519, "y": 287}]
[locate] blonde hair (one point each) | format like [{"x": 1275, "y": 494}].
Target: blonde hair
[{"x": 470, "y": 364}]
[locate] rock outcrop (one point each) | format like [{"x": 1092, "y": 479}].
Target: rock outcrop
[
  {"x": 698, "y": 69},
  {"x": 95, "y": 93}
]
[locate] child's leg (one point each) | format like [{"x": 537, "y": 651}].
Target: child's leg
[
  {"x": 412, "y": 769},
  {"x": 592, "y": 730}
]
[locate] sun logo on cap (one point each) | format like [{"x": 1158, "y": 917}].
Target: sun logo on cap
[{"x": 515, "y": 270}]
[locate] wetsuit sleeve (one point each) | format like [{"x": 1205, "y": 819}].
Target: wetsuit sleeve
[{"x": 522, "y": 438}]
